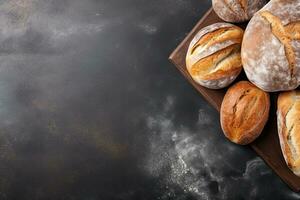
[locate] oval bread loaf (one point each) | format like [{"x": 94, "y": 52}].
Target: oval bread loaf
[
  {"x": 244, "y": 112},
  {"x": 237, "y": 10},
  {"x": 288, "y": 121},
  {"x": 213, "y": 58},
  {"x": 271, "y": 46}
]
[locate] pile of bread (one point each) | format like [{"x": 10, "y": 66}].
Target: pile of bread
[{"x": 269, "y": 53}]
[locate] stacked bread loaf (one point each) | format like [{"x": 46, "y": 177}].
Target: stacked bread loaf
[
  {"x": 214, "y": 56},
  {"x": 244, "y": 112},
  {"x": 271, "y": 46},
  {"x": 288, "y": 121},
  {"x": 237, "y": 10},
  {"x": 269, "y": 53}
]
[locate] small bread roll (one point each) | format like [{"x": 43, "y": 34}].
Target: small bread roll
[
  {"x": 288, "y": 121},
  {"x": 213, "y": 58},
  {"x": 244, "y": 112},
  {"x": 237, "y": 10},
  {"x": 271, "y": 46}
]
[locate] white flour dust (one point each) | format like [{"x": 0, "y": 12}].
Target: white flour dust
[{"x": 190, "y": 159}]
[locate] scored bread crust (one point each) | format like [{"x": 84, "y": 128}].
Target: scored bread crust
[
  {"x": 271, "y": 46},
  {"x": 237, "y": 10},
  {"x": 288, "y": 121},
  {"x": 244, "y": 112},
  {"x": 213, "y": 58}
]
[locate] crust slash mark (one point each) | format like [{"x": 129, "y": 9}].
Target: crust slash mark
[
  {"x": 210, "y": 37},
  {"x": 293, "y": 29},
  {"x": 289, "y": 136},
  {"x": 218, "y": 36},
  {"x": 234, "y": 108},
  {"x": 236, "y": 123},
  {"x": 216, "y": 61},
  {"x": 209, "y": 63},
  {"x": 239, "y": 99},
  {"x": 244, "y": 6},
  {"x": 285, "y": 34},
  {"x": 233, "y": 52},
  {"x": 229, "y": 4},
  {"x": 290, "y": 143},
  {"x": 250, "y": 105}
]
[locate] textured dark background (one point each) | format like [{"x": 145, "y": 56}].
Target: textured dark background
[{"x": 90, "y": 108}]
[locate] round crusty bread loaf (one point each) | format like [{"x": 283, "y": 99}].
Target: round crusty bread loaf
[
  {"x": 288, "y": 120},
  {"x": 244, "y": 112},
  {"x": 271, "y": 46},
  {"x": 213, "y": 58},
  {"x": 237, "y": 10}
]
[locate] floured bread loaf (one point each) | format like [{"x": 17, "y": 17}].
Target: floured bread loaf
[
  {"x": 288, "y": 120},
  {"x": 237, "y": 10},
  {"x": 271, "y": 46},
  {"x": 213, "y": 58},
  {"x": 244, "y": 112}
]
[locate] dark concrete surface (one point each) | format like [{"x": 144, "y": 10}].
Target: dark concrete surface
[{"x": 90, "y": 108}]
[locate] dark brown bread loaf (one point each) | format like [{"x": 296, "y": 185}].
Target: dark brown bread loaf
[
  {"x": 237, "y": 10},
  {"x": 244, "y": 112}
]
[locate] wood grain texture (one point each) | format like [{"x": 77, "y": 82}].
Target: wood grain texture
[{"x": 267, "y": 145}]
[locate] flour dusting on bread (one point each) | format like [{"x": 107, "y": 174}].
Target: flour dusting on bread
[
  {"x": 270, "y": 49},
  {"x": 213, "y": 58},
  {"x": 237, "y": 10}
]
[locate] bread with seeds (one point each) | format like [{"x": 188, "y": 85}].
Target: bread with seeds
[
  {"x": 244, "y": 112},
  {"x": 213, "y": 59},
  {"x": 271, "y": 46},
  {"x": 288, "y": 120},
  {"x": 237, "y": 10}
]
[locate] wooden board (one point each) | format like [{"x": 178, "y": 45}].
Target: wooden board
[{"x": 267, "y": 145}]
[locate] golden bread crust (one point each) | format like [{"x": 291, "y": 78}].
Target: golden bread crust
[
  {"x": 213, "y": 58},
  {"x": 271, "y": 46},
  {"x": 244, "y": 112},
  {"x": 288, "y": 120},
  {"x": 237, "y": 10}
]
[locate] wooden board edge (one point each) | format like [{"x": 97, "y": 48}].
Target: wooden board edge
[
  {"x": 260, "y": 153},
  {"x": 273, "y": 167},
  {"x": 191, "y": 81}
]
